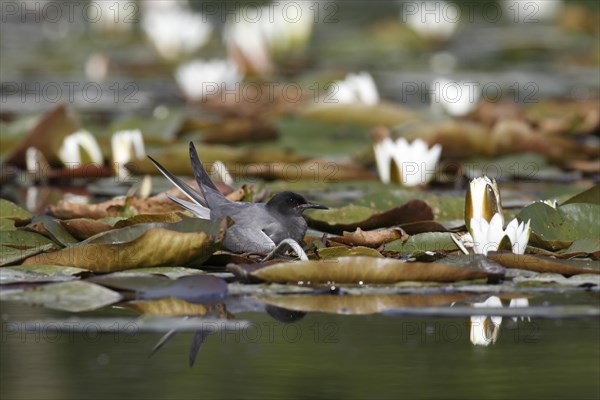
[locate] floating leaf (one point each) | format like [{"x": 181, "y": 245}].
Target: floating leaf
[
  {"x": 74, "y": 296},
  {"x": 380, "y": 114},
  {"x": 83, "y": 228},
  {"x": 24, "y": 239},
  {"x": 148, "y": 218},
  {"x": 13, "y": 212},
  {"x": 444, "y": 207},
  {"x": 360, "y": 304},
  {"x": 374, "y": 238},
  {"x": 190, "y": 241},
  {"x": 38, "y": 273},
  {"x": 559, "y": 227},
  {"x": 351, "y": 217},
  {"x": 53, "y": 228},
  {"x": 590, "y": 196},
  {"x": 585, "y": 245},
  {"x": 430, "y": 241},
  {"x": 542, "y": 264},
  {"x": 366, "y": 270},
  {"x": 7, "y": 224},
  {"x": 343, "y": 251},
  {"x": 11, "y": 255}
]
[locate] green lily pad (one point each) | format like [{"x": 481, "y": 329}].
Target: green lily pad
[
  {"x": 429, "y": 241},
  {"x": 10, "y": 255},
  {"x": 590, "y": 196},
  {"x": 13, "y": 212},
  {"x": 54, "y": 228},
  {"x": 366, "y": 270},
  {"x": 444, "y": 208},
  {"x": 38, "y": 273},
  {"x": 73, "y": 296},
  {"x": 190, "y": 241},
  {"x": 351, "y": 217},
  {"x": 585, "y": 245},
  {"x": 387, "y": 114},
  {"x": 7, "y": 224},
  {"x": 559, "y": 227}
]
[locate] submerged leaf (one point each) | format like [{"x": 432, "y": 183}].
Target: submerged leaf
[{"x": 366, "y": 270}]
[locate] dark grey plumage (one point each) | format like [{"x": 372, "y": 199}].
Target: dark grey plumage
[{"x": 258, "y": 227}]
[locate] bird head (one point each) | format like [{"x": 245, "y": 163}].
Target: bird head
[{"x": 289, "y": 203}]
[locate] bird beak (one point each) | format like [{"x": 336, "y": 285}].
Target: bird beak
[{"x": 312, "y": 205}]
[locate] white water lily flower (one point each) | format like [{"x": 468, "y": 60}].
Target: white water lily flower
[
  {"x": 482, "y": 200},
  {"x": 126, "y": 145},
  {"x": 436, "y": 20},
  {"x": 70, "y": 152},
  {"x": 200, "y": 79},
  {"x": 355, "y": 88},
  {"x": 279, "y": 29},
  {"x": 456, "y": 98},
  {"x": 290, "y": 28},
  {"x": 414, "y": 163},
  {"x": 487, "y": 236},
  {"x": 176, "y": 32},
  {"x": 518, "y": 233},
  {"x": 485, "y": 329}
]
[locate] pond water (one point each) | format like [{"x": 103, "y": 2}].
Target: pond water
[{"x": 317, "y": 356}]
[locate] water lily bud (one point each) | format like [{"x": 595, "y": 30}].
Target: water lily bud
[{"x": 482, "y": 200}]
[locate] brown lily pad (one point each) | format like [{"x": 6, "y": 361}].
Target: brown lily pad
[
  {"x": 143, "y": 245},
  {"x": 374, "y": 238},
  {"x": 540, "y": 264},
  {"x": 83, "y": 228},
  {"x": 365, "y": 270}
]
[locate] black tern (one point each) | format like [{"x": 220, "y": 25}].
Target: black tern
[{"x": 258, "y": 227}]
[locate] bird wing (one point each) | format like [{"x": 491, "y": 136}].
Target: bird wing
[
  {"x": 197, "y": 209},
  {"x": 213, "y": 196},
  {"x": 181, "y": 185}
]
